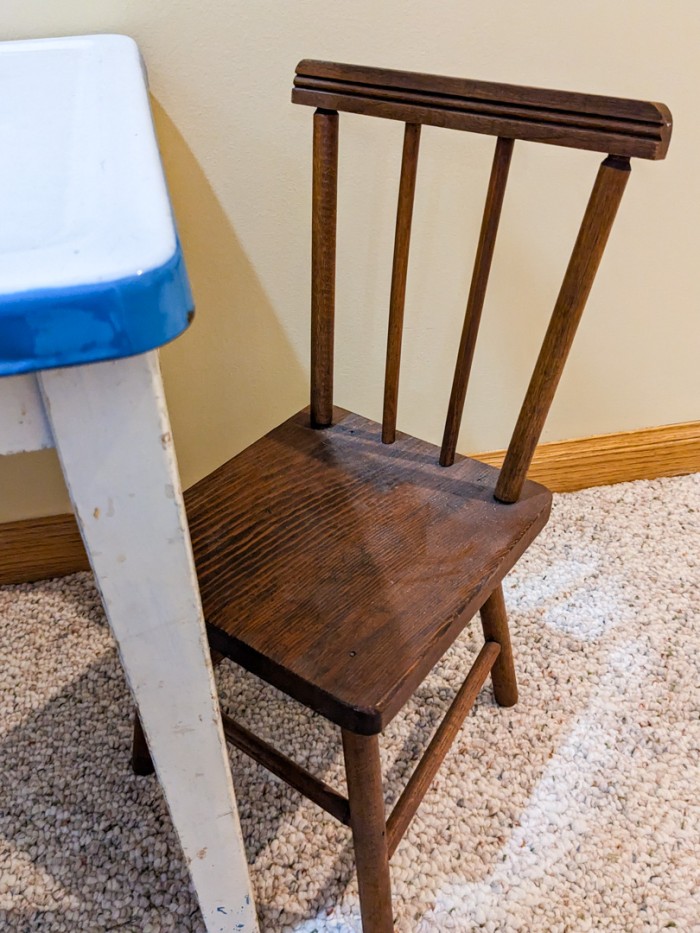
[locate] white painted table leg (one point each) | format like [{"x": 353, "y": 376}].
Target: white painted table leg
[
  {"x": 111, "y": 429},
  {"x": 23, "y": 423}
]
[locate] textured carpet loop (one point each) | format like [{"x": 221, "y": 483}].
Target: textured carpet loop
[{"x": 576, "y": 810}]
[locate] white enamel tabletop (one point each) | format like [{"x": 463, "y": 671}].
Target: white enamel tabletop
[
  {"x": 80, "y": 178},
  {"x": 90, "y": 264}
]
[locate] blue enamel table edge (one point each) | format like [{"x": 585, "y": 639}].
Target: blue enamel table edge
[
  {"x": 97, "y": 320},
  {"x": 47, "y": 328}
]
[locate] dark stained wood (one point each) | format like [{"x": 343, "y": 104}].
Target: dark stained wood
[
  {"x": 141, "y": 760},
  {"x": 37, "y": 548},
  {"x": 467, "y": 88},
  {"x": 323, "y": 236},
  {"x": 297, "y": 777},
  {"x": 531, "y": 106},
  {"x": 588, "y": 251},
  {"x": 584, "y": 121},
  {"x": 404, "y": 214},
  {"x": 428, "y": 766},
  {"x": 369, "y": 835},
  {"x": 340, "y": 569},
  {"x": 562, "y": 466},
  {"x": 494, "y": 621},
  {"x": 477, "y": 292}
]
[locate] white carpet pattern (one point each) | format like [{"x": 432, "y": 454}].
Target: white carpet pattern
[{"x": 579, "y": 809}]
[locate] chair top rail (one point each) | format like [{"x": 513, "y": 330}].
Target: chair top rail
[{"x": 613, "y": 125}]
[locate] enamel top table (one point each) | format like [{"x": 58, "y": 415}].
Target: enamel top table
[{"x": 92, "y": 281}]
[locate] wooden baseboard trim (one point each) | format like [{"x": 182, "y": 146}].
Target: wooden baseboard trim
[
  {"x": 37, "y": 548},
  {"x": 604, "y": 459}
]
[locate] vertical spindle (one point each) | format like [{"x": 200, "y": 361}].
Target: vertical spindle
[
  {"x": 323, "y": 237},
  {"x": 402, "y": 240},
  {"x": 477, "y": 292}
]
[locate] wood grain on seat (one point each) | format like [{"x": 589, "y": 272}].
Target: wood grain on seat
[{"x": 340, "y": 569}]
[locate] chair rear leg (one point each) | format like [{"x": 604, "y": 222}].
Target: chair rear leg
[
  {"x": 494, "y": 622},
  {"x": 368, "y": 822},
  {"x": 140, "y": 756}
]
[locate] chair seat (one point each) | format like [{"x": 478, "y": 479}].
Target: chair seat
[{"x": 340, "y": 569}]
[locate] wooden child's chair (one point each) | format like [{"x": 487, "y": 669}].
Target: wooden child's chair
[{"x": 339, "y": 568}]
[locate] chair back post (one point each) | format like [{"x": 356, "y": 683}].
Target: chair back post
[
  {"x": 323, "y": 240},
  {"x": 619, "y": 127},
  {"x": 588, "y": 251}
]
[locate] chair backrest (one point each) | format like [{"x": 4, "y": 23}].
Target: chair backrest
[{"x": 620, "y": 128}]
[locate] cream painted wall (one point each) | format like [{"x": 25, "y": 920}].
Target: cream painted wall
[{"x": 237, "y": 156}]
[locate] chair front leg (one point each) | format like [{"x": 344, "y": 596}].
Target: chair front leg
[
  {"x": 494, "y": 621},
  {"x": 368, "y": 822}
]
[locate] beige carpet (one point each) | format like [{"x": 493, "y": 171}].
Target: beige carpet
[{"x": 577, "y": 810}]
